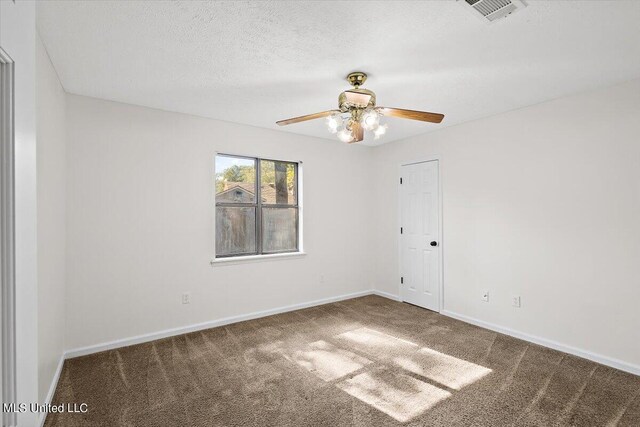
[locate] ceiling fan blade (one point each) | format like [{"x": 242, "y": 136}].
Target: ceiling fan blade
[
  {"x": 307, "y": 117},
  {"x": 358, "y": 132},
  {"x": 411, "y": 114}
]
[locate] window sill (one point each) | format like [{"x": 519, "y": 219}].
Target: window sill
[{"x": 254, "y": 258}]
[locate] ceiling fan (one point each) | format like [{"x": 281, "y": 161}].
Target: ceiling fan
[{"x": 357, "y": 112}]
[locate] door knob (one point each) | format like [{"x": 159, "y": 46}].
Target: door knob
[{"x": 434, "y": 243}]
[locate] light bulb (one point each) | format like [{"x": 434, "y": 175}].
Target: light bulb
[
  {"x": 333, "y": 122},
  {"x": 345, "y": 135},
  {"x": 380, "y": 130},
  {"x": 370, "y": 119}
]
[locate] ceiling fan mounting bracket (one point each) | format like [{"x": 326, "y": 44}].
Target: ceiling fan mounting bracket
[{"x": 357, "y": 79}]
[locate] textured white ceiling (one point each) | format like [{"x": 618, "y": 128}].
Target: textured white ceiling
[{"x": 258, "y": 62}]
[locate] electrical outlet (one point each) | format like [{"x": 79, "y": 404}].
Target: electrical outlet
[
  {"x": 515, "y": 301},
  {"x": 322, "y": 278},
  {"x": 485, "y": 296},
  {"x": 186, "y": 298}
]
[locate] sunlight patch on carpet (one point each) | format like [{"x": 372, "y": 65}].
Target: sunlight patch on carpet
[
  {"x": 399, "y": 378},
  {"x": 450, "y": 371},
  {"x": 444, "y": 369},
  {"x": 327, "y": 361},
  {"x": 397, "y": 395},
  {"x": 375, "y": 342}
]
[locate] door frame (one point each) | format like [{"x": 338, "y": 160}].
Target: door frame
[
  {"x": 432, "y": 158},
  {"x": 7, "y": 237}
]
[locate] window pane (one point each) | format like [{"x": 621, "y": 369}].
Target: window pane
[
  {"x": 235, "y": 230},
  {"x": 278, "y": 182},
  {"x": 235, "y": 180},
  {"x": 280, "y": 229}
]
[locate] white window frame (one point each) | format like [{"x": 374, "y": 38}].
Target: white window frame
[{"x": 230, "y": 260}]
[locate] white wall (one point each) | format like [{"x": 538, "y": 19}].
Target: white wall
[
  {"x": 542, "y": 202},
  {"x": 17, "y": 38},
  {"x": 140, "y": 225},
  {"x": 51, "y": 161}
]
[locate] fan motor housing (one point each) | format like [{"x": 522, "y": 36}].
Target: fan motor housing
[{"x": 356, "y": 98}]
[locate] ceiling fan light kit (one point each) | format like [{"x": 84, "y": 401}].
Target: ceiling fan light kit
[{"x": 357, "y": 112}]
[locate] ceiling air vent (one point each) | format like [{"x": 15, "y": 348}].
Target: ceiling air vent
[{"x": 491, "y": 10}]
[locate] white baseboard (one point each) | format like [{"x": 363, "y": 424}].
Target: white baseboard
[
  {"x": 598, "y": 358},
  {"x": 52, "y": 387},
  {"x": 386, "y": 295},
  {"x": 83, "y": 351}
]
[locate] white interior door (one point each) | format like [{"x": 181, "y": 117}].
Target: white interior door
[{"x": 420, "y": 235}]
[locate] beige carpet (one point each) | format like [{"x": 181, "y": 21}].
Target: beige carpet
[{"x": 363, "y": 362}]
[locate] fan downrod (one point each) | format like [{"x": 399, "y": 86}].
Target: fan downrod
[{"x": 357, "y": 79}]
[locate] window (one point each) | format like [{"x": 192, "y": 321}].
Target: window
[{"x": 257, "y": 209}]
